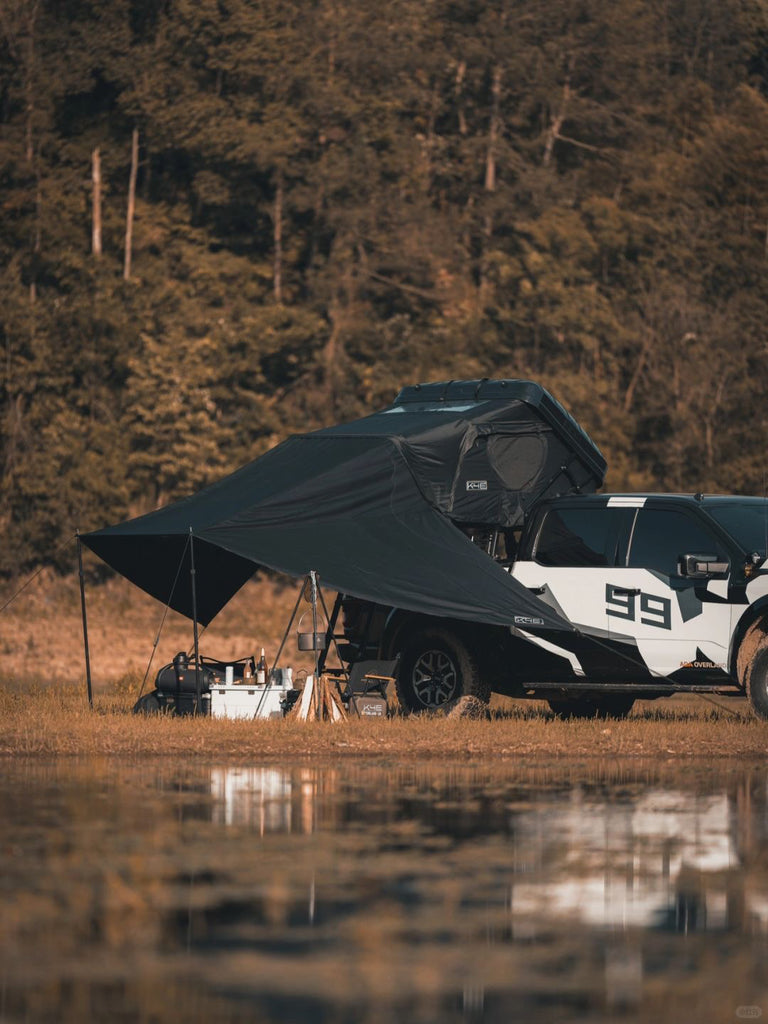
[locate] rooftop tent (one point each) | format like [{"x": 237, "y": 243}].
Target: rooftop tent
[
  {"x": 369, "y": 504},
  {"x": 482, "y": 452}
]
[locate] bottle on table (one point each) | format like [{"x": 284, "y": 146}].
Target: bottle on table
[{"x": 261, "y": 669}]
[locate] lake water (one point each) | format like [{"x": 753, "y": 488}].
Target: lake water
[{"x": 352, "y": 892}]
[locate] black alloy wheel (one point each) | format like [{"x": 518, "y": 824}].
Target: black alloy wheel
[{"x": 436, "y": 669}]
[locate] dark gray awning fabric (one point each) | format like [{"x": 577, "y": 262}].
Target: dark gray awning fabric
[
  {"x": 353, "y": 503},
  {"x": 363, "y": 526}
]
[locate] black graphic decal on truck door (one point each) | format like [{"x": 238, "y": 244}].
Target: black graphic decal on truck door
[{"x": 627, "y": 602}]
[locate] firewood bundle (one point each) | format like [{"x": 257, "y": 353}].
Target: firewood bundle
[{"x": 320, "y": 701}]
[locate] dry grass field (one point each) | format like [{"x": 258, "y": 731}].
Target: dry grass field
[
  {"x": 55, "y": 720},
  {"x": 43, "y": 710}
]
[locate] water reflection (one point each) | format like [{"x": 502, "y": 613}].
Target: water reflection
[
  {"x": 259, "y": 798},
  {"x": 661, "y": 858},
  {"x": 379, "y": 893}
]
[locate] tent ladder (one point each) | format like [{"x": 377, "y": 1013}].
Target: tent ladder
[{"x": 330, "y": 635}]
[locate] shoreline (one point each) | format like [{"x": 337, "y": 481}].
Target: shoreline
[{"x": 56, "y": 722}]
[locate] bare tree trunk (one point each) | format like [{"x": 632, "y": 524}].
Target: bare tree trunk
[
  {"x": 29, "y": 89},
  {"x": 278, "y": 239},
  {"x": 96, "y": 203},
  {"x": 490, "y": 175},
  {"x": 713, "y": 408},
  {"x": 331, "y": 354},
  {"x": 340, "y": 313},
  {"x": 557, "y": 122},
  {"x": 458, "y": 89},
  {"x": 428, "y": 142},
  {"x": 37, "y": 233},
  {"x": 131, "y": 204},
  {"x": 493, "y": 132},
  {"x": 638, "y": 372}
]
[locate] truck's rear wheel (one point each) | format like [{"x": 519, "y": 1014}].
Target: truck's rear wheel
[
  {"x": 757, "y": 682},
  {"x": 436, "y": 668},
  {"x": 610, "y": 706}
]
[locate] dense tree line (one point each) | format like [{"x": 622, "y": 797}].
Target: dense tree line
[{"x": 225, "y": 220}]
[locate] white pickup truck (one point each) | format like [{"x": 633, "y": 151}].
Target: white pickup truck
[{"x": 668, "y": 593}]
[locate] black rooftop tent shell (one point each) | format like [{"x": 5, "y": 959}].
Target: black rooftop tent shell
[
  {"x": 373, "y": 507},
  {"x": 483, "y": 452}
]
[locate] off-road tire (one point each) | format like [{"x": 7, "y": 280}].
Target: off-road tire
[
  {"x": 610, "y": 706},
  {"x": 757, "y": 681},
  {"x": 572, "y": 707},
  {"x": 149, "y": 704},
  {"x": 436, "y": 669}
]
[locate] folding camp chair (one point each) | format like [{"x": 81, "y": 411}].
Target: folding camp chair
[{"x": 366, "y": 687}]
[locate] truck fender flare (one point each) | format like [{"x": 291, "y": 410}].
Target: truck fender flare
[
  {"x": 752, "y": 614},
  {"x": 400, "y": 623}
]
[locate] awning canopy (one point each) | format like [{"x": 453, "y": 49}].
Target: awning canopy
[{"x": 369, "y": 506}]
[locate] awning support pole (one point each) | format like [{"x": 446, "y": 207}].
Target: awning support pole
[
  {"x": 85, "y": 619},
  {"x": 313, "y": 595},
  {"x": 198, "y": 687}
]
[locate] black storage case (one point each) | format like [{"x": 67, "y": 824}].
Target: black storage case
[{"x": 176, "y": 685}]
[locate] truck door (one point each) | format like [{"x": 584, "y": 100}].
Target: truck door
[
  {"x": 672, "y": 624},
  {"x": 574, "y": 548}
]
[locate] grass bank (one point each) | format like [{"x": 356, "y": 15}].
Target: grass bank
[{"x": 55, "y": 721}]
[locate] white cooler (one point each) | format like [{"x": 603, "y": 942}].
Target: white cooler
[{"x": 246, "y": 700}]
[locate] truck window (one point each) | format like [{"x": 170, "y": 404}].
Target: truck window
[
  {"x": 660, "y": 536},
  {"x": 746, "y": 522},
  {"x": 577, "y": 537}
]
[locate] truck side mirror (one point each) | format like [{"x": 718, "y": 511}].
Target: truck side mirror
[
  {"x": 699, "y": 567},
  {"x": 752, "y": 564}
]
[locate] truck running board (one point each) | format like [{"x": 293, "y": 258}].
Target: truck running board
[{"x": 637, "y": 688}]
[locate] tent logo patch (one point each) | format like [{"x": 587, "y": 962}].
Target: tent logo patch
[
  {"x": 477, "y": 485},
  {"x": 528, "y": 620}
]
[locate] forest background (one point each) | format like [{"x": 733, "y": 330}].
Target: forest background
[{"x": 223, "y": 221}]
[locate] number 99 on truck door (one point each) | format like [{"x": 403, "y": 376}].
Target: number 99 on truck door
[{"x": 621, "y": 603}]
